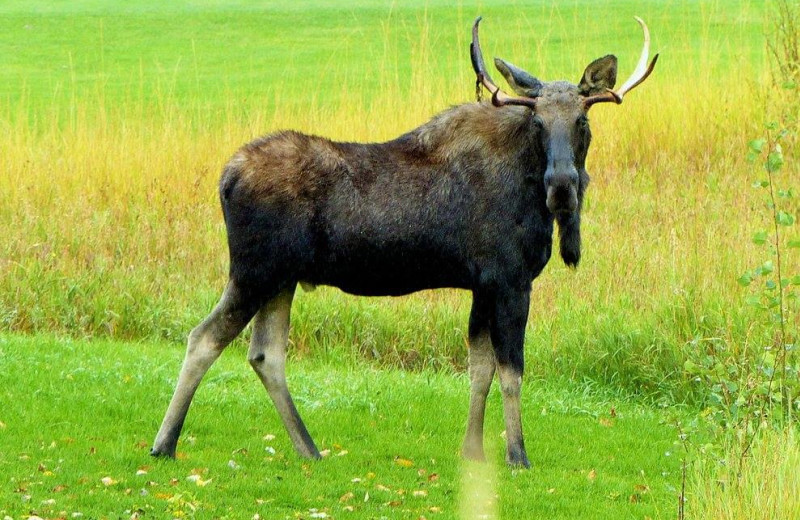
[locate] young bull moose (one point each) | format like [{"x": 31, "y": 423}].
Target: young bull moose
[{"x": 466, "y": 200}]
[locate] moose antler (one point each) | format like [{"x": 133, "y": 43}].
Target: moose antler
[
  {"x": 499, "y": 98},
  {"x": 639, "y": 75}
]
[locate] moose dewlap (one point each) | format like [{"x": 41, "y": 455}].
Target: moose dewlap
[{"x": 468, "y": 200}]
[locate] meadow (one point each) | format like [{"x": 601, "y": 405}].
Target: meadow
[{"x": 116, "y": 121}]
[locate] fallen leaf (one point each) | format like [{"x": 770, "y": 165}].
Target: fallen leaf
[
  {"x": 613, "y": 412},
  {"x": 108, "y": 481},
  {"x": 403, "y": 462},
  {"x": 433, "y": 477},
  {"x": 592, "y": 475},
  {"x": 420, "y": 493},
  {"x": 198, "y": 480},
  {"x": 347, "y": 497}
]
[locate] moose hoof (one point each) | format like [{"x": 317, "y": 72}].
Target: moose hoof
[
  {"x": 159, "y": 452},
  {"x": 518, "y": 459}
]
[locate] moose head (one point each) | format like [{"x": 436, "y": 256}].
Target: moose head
[{"x": 560, "y": 120}]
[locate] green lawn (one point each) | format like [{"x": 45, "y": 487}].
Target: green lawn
[
  {"x": 78, "y": 418},
  {"x": 217, "y": 54}
]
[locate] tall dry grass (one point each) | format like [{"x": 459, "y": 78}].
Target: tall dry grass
[{"x": 763, "y": 486}]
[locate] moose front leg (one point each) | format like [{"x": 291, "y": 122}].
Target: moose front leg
[
  {"x": 508, "y": 337},
  {"x": 481, "y": 371}
]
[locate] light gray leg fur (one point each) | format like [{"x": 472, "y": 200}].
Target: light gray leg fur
[
  {"x": 267, "y": 356},
  {"x": 206, "y": 343},
  {"x": 481, "y": 371},
  {"x": 511, "y": 386}
]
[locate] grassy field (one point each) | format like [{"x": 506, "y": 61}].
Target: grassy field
[
  {"x": 116, "y": 120},
  {"x": 116, "y": 129},
  {"x": 80, "y": 445}
]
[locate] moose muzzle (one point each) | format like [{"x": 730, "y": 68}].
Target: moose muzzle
[{"x": 562, "y": 191}]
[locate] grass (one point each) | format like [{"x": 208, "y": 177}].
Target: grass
[
  {"x": 763, "y": 486},
  {"x": 77, "y": 418}
]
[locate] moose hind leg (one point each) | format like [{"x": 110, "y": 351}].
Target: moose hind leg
[
  {"x": 267, "y": 356},
  {"x": 481, "y": 372},
  {"x": 206, "y": 343}
]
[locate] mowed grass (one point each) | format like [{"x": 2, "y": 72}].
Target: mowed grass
[{"x": 77, "y": 418}]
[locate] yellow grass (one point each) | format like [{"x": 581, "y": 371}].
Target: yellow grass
[{"x": 764, "y": 486}]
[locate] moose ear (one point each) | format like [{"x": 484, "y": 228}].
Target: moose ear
[
  {"x": 520, "y": 81},
  {"x": 600, "y": 75}
]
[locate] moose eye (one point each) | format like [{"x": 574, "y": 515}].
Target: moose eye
[{"x": 582, "y": 122}]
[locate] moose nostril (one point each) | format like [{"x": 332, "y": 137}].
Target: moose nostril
[{"x": 562, "y": 199}]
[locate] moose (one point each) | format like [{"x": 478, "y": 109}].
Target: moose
[{"x": 468, "y": 200}]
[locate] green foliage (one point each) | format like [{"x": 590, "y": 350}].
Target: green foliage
[
  {"x": 748, "y": 386},
  {"x": 754, "y": 392}
]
